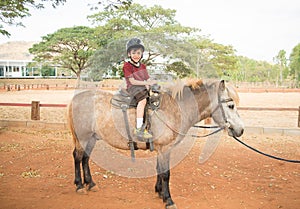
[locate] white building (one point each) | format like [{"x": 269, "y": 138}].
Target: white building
[
  {"x": 13, "y": 68},
  {"x": 15, "y": 59},
  {"x": 20, "y": 69}
]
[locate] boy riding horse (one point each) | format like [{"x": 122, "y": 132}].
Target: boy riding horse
[{"x": 138, "y": 82}]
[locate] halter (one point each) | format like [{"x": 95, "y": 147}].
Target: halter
[{"x": 220, "y": 105}]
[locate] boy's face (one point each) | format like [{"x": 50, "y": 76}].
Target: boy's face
[{"x": 135, "y": 54}]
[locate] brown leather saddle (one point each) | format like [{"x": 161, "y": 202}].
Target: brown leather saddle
[{"x": 123, "y": 98}]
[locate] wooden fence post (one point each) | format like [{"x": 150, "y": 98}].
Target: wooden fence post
[{"x": 35, "y": 110}]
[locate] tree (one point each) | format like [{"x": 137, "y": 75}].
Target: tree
[
  {"x": 281, "y": 60},
  {"x": 180, "y": 69},
  {"x": 214, "y": 59},
  {"x": 157, "y": 27},
  {"x": 68, "y": 47},
  {"x": 107, "y": 59},
  {"x": 295, "y": 64},
  {"x": 12, "y": 10},
  {"x": 254, "y": 71}
]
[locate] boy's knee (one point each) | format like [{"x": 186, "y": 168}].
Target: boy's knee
[{"x": 143, "y": 101}]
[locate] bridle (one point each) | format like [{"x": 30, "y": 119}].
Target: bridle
[{"x": 220, "y": 106}]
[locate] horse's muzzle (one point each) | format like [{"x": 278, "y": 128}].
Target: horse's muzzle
[{"x": 236, "y": 131}]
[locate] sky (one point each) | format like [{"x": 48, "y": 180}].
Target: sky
[{"x": 257, "y": 29}]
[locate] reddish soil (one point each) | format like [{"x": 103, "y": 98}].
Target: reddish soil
[{"x": 36, "y": 171}]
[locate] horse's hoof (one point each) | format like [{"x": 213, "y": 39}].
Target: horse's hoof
[
  {"x": 171, "y": 206},
  {"x": 81, "y": 191},
  {"x": 94, "y": 188}
]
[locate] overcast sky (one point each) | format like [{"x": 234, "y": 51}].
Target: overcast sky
[{"x": 257, "y": 29}]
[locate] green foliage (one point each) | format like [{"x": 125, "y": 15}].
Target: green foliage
[
  {"x": 107, "y": 58},
  {"x": 68, "y": 47},
  {"x": 48, "y": 71},
  {"x": 180, "y": 69},
  {"x": 281, "y": 61},
  {"x": 295, "y": 64},
  {"x": 213, "y": 59},
  {"x": 155, "y": 26},
  {"x": 11, "y": 10},
  {"x": 254, "y": 71}
]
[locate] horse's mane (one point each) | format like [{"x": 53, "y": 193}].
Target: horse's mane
[{"x": 176, "y": 88}]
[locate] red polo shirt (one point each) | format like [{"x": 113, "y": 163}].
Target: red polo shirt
[{"x": 138, "y": 73}]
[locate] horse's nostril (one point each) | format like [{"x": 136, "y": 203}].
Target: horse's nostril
[{"x": 241, "y": 133}]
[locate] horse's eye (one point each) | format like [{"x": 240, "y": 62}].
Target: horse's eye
[{"x": 231, "y": 106}]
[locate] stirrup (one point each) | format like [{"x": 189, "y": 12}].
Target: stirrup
[{"x": 142, "y": 135}]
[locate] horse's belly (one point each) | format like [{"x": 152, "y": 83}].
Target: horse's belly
[{"x": 112, "y": 129}]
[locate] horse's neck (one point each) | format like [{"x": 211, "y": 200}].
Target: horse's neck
[
  {"x": 204, "y": 104},
  {"x": 193, "y": 107},
  {"x": 196, "y": 105}
]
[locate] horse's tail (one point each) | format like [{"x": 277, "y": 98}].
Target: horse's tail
[{"x": 72, "y": 127}]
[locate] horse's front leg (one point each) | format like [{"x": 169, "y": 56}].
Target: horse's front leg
[
  {"x": 158, "y": 185},
  {"x": 163, "y": 178}
]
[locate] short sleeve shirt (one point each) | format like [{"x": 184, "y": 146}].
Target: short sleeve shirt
[{"x": 138, "y": 73}]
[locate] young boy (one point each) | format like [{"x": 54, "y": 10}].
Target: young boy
[{"x": 138, "y": 82}]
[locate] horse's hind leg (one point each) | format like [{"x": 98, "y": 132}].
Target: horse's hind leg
[
  {"x": 78, "y": 156},
  {"x": 86, "y": 168}
]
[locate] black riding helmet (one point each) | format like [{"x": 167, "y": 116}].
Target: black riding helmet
[{"x": 134, "y": 43}]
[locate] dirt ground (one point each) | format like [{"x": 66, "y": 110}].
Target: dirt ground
[{"x": 37, "y": 171}]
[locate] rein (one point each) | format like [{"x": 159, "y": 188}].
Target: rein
[
  {"x": 265, "y": 154},
  {"x": 254, "y": 149},
  {"x": 192, "y": 135}
]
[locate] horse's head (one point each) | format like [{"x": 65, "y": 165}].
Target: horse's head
[{"x": 224, "y": 110}]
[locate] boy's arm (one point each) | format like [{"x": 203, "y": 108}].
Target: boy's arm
[{"x": 141, "y": 83}]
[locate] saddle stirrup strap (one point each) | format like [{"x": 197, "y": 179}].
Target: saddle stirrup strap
[
  {"x": 147, "y": 124},
  {"x": 130, "y": 140}
]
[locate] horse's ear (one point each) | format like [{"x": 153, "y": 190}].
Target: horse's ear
[{"x": 222, "y": 85}]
